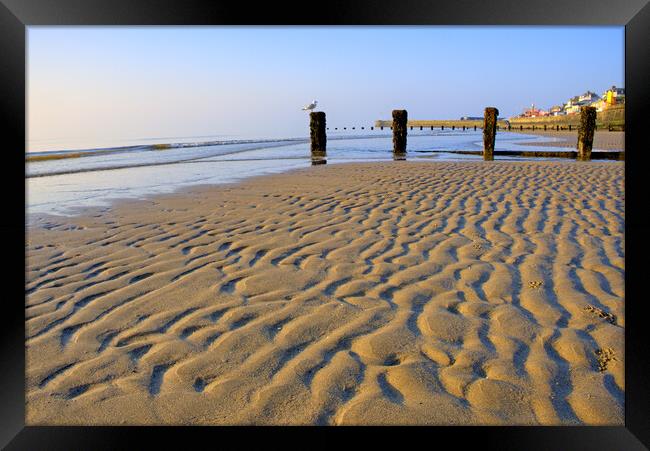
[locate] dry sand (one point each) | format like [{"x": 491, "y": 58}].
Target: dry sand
[
  {"x": 376, "y": 293},
  {"x": 603, "y": 140}
]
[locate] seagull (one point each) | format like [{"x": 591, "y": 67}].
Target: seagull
[{"x": 311, "y": 106}]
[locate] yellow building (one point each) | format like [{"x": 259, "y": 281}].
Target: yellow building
[{"x": 614, "y": 96}]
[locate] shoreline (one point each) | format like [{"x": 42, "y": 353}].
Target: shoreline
[
  {"x": 603, "y": 140},
  {"x": 367, "y": 293}
]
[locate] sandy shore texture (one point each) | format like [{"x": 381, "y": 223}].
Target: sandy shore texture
[
  {"x": 375, "y": 293},
  {"x": 603, "y": 140}
]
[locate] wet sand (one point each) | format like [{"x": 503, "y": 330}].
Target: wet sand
[
  {"x": 375, "y": 293},
  {"x": 603, "y": 140}
]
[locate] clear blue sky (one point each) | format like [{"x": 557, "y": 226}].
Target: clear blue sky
[{"x": 108, "y": 83}]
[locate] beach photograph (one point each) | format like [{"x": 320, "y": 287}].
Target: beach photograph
[{"x": 325, "y": 225}]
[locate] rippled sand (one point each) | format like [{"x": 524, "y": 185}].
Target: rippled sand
[{"x": 378, "y": 293}]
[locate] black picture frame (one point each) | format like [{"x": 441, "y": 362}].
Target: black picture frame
[{"x": 16, "y": 15}]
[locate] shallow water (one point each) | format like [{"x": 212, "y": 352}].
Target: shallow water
[{"x": 66, "y": 185}]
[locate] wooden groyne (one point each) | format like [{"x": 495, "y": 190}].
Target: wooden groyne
[
  {"x": 489, "y": 132},
  {"x": 585, "y": 126},
  {"x": 399, "y": 131},
  {"x": 586, "y": 132},
  {"x": 451, "y": 124}
]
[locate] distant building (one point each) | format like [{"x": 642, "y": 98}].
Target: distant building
[
  {"x": 600, "y": 105},
  {"x": 574, "y": 103},
  {"x": 534, "y": 112},
  {"x": 587, "y": 98},
  {"x": 614, "y": 96},
  {"x": 571, "y": 106}
]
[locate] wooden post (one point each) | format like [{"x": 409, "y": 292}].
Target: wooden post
[
  {"x": 586, "y": 132},
  {"x": 432, "y": 127},
  {"x": 317, "y": 133},
  {"x": 442, "y": 127},
  {"x": 475, "y": 128},
  {"x": 463, "y": 128},
  {"x": 382, "y": 127},
  {"x": 569, "y": 127},
  {"x": 557, "y": 128},
  {"x": 399, "y": 131},
  {"x": 489, "y": 132},
  {"x": 544, "y": 127},
  {"x": 521, "y": 127},
  {"x": 372, "y": 128},
  {"x": 420, "y": 127},
  {"x": 533, "y": 127},
  {"x": 453, "y": 127},
  {"x": 411, "y": 127}
]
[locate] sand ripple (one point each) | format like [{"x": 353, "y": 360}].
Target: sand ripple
[{"x": 403, "y": 292}]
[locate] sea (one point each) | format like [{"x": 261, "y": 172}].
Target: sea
[{"x": 138, "y": 168}]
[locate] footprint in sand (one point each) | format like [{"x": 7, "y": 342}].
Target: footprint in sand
[
  {"x": 605, "y": 356},
  {"x": 601, "y": 313}
]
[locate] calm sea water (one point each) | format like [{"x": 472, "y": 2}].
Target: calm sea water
[{"x": 67, "y": 185}]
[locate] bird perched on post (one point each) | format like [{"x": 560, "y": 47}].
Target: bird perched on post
[{"x": 311, "y": 106}]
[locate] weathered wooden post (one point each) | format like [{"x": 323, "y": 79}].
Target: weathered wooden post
[
  {"x": 533, "y": 127},
  {"x": 489, "y": 132},
  {"x": 475, "y": 128},
  {"x": 382, "y": 127},
  {"x": 318, "y": 137},
  {"x": 463, "y": 128},
  {"x": 453, "y": 127},
  {"x": 586, "y": 132},
  {"x": 399, "y": 131},
  {"x": 420, "y": 127},
  {"x": 317, "y": 133},
  {"x": 432, "y": 127},
  {"x": 544, "y": 127},
  {"x": 569, "y": 127},
  {"x": 442, "y": 128},
  {"x": 557, "y": 128}
]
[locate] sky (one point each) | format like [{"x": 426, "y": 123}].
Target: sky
[{"x": 98, "y": 86}]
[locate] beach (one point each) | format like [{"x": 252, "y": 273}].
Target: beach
[
  {"x": 406, "y": 292},
  {"x": 603, "y": 140}
]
